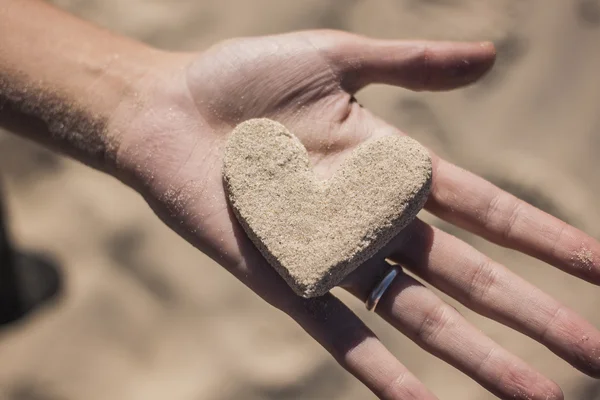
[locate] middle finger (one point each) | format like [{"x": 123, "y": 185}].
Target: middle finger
[
  {"x": 494, "y": 291},
  {"x": 441, "y": 330}
]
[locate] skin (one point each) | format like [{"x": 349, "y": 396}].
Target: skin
[{"x": 159, "y": 121}]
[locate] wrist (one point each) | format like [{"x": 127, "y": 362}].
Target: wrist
[
  {"x": 71, "y": 85},
  {"x": 129, "y": 83},
  {"x": 153, "y": 91},
  {"x": 62, "y": 80}
]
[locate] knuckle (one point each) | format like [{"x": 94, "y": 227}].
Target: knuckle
[
  {"x": 422, "y": 62},
  {"x": 396, "y": 385},
  {"x": 512, "y": 219},
  {"x": 551, "y": 325},
  {"x": 491, "y": 211},
  {"x": 558, "y": 234},
  {"x": 436, "y": 319},
  {"x": 486, "y": 361},
  {"x": 502, "y": 214},
  {"x": 483, "y": 279}
]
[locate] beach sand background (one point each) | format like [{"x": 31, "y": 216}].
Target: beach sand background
[{"x": 145, "y": 316}]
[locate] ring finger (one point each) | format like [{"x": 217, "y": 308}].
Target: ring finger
[{"x": 441, "y": 330}]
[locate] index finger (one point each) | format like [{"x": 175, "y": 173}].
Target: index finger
[{"x": 472, "y": 203}]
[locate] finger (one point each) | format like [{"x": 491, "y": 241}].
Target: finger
[
  {"x": 495, "y": 292},
  {"x": 356, "y": 348},
  {"x": 441, "y": 330},
  {"x": 336, "y": 328},
  {"x": 415, "y": 65},
  {"x": 473, "y": 203}
]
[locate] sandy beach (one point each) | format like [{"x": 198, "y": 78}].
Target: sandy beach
[{"x": 145, "y": 316}]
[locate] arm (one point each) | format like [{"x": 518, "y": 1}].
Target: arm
[{"x": 63, "y": 80}]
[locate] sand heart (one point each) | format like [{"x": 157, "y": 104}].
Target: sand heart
[{"x": 315, "y": 232}]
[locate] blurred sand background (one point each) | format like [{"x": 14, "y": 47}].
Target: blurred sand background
[{"x": 145, "y": 316}]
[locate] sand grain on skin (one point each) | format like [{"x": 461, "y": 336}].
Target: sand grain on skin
[{"x": 585, "y": 258}]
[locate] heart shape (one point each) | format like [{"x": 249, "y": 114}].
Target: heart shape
[{"x": 313, "y": 232}]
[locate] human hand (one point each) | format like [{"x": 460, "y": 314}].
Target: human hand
[{"x": 172, "y": 139}]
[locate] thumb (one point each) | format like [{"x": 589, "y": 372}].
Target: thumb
[{"x": 415, "y": 65}]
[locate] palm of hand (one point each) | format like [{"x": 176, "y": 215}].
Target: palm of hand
[
  {"x": 286, "y": 78},
  {"x": 306, "y": 81}
]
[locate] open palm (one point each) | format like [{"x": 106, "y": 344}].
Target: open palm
[{"x": 173, "y": 156}]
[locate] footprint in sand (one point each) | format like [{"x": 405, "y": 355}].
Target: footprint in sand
[
  {"x": 24, "y": 162},
  {"x": 325, "y": 381},
  {"x": 588, "y": 12},
  {"x": 29, "y": 390},
  {"x": 125, "y": 248},
  {"x": 590, "y": 391}
]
